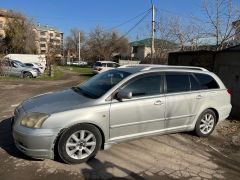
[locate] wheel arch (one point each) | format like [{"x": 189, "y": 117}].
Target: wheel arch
[
  {"x": 216, "y": 113},
  {"x": 55, "y": 143}
]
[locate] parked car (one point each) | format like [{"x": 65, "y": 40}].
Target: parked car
[
  {"x": 118, "y": 105},
  {"x": 16, "y": 68},
  {"x": 36, "y": 66},
  {"x": 77, "y": 63},
  {"x": 102, "y": 66}
]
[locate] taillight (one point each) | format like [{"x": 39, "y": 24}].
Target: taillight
[{"x": 229, "y": 91}]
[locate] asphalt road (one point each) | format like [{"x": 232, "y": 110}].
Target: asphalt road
[{"x": 175, "y": 156}]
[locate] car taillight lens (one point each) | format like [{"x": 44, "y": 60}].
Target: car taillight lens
[{"x": 229, "y": 91}]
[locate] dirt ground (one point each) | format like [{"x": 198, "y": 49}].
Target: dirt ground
[{"x": 174, "y": 156}]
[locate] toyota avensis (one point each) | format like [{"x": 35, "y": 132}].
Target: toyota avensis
[{"x": 121, "y": 104}]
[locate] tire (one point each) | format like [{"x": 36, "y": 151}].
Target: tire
[
  {"x": 206, "y": 123},
  {"x": 73, "y": 149},
  {"x": 27, "y": 75}
]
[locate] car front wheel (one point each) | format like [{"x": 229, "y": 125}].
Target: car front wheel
[
  {"x": 206, "y": 123},
  {"x": 79, "y": 143}
]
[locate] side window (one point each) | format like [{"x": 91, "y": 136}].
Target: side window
[
  {"x": 109, "y": 64},
  {"x": 206, "y": 81},
  {"x": 195, "y": 85},
  {"x": 104, "y": 65},
  {"x": 145, "y": 86},
  {"x": 177, "y": 82},
  {"x": 116, "y": 65}
]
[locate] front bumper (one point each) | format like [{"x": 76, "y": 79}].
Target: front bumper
[
  {"x": 36, "y": 143},
  {"x": 34, "y": 73}
]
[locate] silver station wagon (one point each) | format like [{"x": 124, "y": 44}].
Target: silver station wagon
[{"x": 117, "y": 105}]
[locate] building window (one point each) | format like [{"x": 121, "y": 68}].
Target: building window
[
  {"x": 51, "y": 34},
  {"x": 43, "y": 51},
  {"x": 43, "y": 39},
  {"x": 42, "y": 33},
  {"x": 42, "y": 45},
  {"x": 135, "y": 49}
]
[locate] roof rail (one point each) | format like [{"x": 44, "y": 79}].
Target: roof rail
[{"x": 147, "y": 67}]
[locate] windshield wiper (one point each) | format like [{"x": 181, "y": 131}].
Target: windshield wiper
[{"x": 81, "y": 91}]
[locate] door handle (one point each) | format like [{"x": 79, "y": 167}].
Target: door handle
[
  {"x": 199, "y": 97},
  {"x": 158, "y": 102}
]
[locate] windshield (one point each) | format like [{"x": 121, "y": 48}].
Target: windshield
[{"x": 101, "y": 83}]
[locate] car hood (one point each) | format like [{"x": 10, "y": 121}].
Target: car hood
[{"x": 54, "y": 102}]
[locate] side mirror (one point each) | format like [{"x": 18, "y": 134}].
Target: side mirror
[{"x": 123, "y": 94}]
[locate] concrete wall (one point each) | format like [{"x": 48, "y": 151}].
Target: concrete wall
[
  {"x": 227, "y": 67},
  {"x": 226, "y": 64}
]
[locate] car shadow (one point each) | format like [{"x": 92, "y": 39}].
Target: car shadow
[
  {"x": 99, "y": 170},
  {"x": 7, "y": 142}
]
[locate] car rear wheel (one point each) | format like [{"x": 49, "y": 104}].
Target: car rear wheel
[
  {"x": 79, "y": 143},
  {"x": 27, "y": 75},
  {"x": 206, "y": 123}
]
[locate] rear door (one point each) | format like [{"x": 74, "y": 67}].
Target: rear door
[{"x": 179, "y": 101}]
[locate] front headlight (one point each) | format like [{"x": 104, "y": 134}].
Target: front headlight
[{"x": 34, "y": 120}]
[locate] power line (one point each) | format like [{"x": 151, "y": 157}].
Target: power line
[
  {"x": 136, "y": 24},
  {"x": 127, "y": 21}
]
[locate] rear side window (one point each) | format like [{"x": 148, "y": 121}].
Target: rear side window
[
  {"x": 109, "y": 64},
  {"x": 206, "y": 81},
  {"x": 195, "y": 85},
  {"x": 177, "y": 82},
  {"x": 145, "y": 86}
]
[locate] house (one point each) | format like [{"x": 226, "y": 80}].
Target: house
[{"x": 141, "y": 49}]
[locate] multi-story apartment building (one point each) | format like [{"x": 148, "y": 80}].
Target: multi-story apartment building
[
  {"x": 4, "y": 15},
  {"x": 46, "y": 37}
]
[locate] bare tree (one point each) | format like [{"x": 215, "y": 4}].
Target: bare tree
[
  {"x": 219, "y": 16},
  {"x": 72, "y": 41},
  {"x": 19, "y": 35},
  {"x": 52, "y": 57},
  {"x": 102, "y": 44}
]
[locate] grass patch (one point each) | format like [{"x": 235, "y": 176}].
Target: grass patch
[
  {"x": 57, "y": 75},
  {"x": 77, "y": 69}
]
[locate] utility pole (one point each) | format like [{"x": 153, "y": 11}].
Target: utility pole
[
  {"x": 153, "y": 32},
  {"x": 79, "y": 47}
]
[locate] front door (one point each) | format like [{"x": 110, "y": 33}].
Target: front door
[{"x": 143, "y": 114}]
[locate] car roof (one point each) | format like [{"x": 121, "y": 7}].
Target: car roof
[{"x": 151, "y": 67}]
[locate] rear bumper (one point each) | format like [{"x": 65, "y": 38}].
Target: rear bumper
[
  {"x": 36, "y": 143},
  {"x": 224, "y": 112}
]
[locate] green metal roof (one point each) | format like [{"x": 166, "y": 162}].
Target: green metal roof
[{"x": 148, "y": 42}]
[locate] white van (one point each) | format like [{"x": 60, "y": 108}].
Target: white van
[{"x": 101, "y": 66}]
